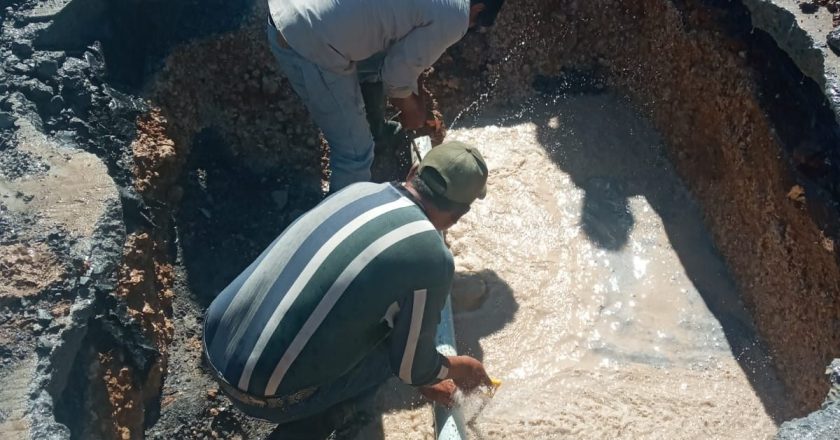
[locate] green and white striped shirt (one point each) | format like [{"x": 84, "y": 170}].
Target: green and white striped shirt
[{"x": 363, "y": 267}]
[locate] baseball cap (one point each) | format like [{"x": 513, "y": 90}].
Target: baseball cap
[{"x": 455, "y": 171}]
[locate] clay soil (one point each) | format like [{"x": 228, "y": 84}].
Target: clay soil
[
  {"x": 696, "y": 83},
  {"x": 27, "y": 270}
]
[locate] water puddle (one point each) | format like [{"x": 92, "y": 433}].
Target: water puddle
[{"x": 609, "y": 313}]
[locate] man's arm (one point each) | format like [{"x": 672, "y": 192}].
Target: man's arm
[
  {"x": 413, "y": 350},
  {"x": 418, "y": 50},
  {"x": 414, "y": 356}
]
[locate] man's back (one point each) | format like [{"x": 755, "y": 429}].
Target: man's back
[
  {"x": 337, "y": 33},
  {"x": 328, "y": 290}
]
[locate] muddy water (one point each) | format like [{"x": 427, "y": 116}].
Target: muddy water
[{"x": 608, "y": 312}]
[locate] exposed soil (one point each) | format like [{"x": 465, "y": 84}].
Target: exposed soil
[
  {"x": 27, "y": 270},
  {"x": 726, "y": 148},
  {"x": 237, "y": 112},
  {"x": 184, "y": 105},
  {"x": 156, "y": 164},
  {"x": 245, "y": 162},
  {"x": 191, "y": 404},
  {"x": 224, "y": 157},
  {"x": 145, "y": 284},
  {"x": 239, "y": 94},
  {"x": 122, "y": 391}
]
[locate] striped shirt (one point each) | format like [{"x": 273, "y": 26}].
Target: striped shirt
[{"x": 363, "y": 267}]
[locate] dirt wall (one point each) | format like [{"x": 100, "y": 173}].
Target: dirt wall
[{"x": 680, "y": 61}]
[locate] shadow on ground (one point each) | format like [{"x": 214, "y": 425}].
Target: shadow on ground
[
  {"x": 230, "y": 213},
  {"x": 588, "y": 142},
  {"x": 116, "y": 25},
  {"x": 499, "y": 307}
]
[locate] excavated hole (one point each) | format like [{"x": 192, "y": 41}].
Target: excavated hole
[{"x": 741, "y": 123}]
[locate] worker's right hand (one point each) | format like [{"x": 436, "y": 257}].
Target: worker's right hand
[
  {"x": 412, "y": 111},
  {"x": 468, "y": 373}
]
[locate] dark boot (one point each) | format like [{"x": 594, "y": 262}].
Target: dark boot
[
  {"x": 387, "y": 135},
  {"x": 373, "y": 94},
  {"x": 391, "y": 141}
]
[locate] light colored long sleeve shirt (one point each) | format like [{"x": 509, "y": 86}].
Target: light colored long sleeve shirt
[{"x": 335, "y": 34}]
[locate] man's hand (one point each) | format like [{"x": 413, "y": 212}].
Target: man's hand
[
  {"x": 412, "y": 111},
  {"x": 442, "y": 393},
  {"x": 468, "y": 373}
]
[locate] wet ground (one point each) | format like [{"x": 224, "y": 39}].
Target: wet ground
[
  {"x": 722, "y": 94},
  {"x": 609, "y": 313}
]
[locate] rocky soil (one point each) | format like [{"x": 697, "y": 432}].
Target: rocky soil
[
  {"x": 812, "y": 6},
  {"x": 138, "y": 175},
  {"x": 721, "y": 138}
]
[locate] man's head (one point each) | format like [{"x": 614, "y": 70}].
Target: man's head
[
  {"x": 484, "y": 12},
  {"x": 447, "y": 181}
]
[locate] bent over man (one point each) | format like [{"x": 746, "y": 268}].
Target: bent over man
[
  {"x": 327, "y": 47},
  {"x": 348, "y": 296}
]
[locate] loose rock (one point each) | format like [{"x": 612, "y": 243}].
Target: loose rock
[{"x": 834, "y": 40}]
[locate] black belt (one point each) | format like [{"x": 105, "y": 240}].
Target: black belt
[{"x": 277, "y": 402}]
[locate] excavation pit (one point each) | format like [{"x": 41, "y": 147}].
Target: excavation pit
[{"x": 657, "y": 254}]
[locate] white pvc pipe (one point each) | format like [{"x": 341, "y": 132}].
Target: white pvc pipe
[{"x": 449, "y": 422}]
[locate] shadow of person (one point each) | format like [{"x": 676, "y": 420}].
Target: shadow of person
[
  {"x": 229, "y": 214},
  {"x": 614, "y": 155},
  {"x": 605, "y": 217},
  {"x": 598, "y": 135},
  {"x": 476, "y": 320},
  {"x": 592, "y": 136}
]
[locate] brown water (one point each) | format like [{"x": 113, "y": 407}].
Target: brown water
[{"x": 609, "y": 313}]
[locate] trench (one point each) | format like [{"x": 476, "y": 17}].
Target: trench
[
  {"x": 643, "y": 268},
  {"x": 608, "y": 312}
]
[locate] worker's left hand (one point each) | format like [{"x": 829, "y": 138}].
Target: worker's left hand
[{"x": 442, "y": 393}]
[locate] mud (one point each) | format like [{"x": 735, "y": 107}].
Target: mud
[
  {"x": 616, "y": 317},
  {"x": 169, "y": 116},
  {"x": 705, "y": 84}
]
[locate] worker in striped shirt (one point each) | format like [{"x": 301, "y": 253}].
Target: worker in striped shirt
[{"x": 348, "y": 296}]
